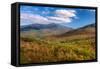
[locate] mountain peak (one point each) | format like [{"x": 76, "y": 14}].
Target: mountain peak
[{"x": 44, "y": 26}]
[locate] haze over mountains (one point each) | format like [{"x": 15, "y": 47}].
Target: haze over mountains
[
  {"x": 42, "y": 30},
  {"x": 45, "y": 29},
  {"x": 43, "y": 26},
  {"x": 86, "y": 30}
]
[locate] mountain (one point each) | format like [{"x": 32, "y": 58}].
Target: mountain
[
  {"x": 43, "y": 26},
  {"x": 44, "y": 29},
  {"x": 85, "y": 30},
  {"x": 57, "y": 30},
  {"x": 89, "y": 26}
]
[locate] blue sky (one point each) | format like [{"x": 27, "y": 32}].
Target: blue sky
[{"x": 71, "y": 17}]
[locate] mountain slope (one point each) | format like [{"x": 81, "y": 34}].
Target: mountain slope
[
  {"x": 86, "y": 30},
  {"x": 44, "y": 29},
  {"x": 43, "y": 26}
]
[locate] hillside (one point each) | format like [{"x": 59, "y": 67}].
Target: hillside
[
  {"x": 88, "y": 30},
  {"x": 43, "y": 26},
  {"x": 41, "y": 30}
]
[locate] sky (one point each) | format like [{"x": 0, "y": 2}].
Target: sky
[{"x": 70, "y": 17}]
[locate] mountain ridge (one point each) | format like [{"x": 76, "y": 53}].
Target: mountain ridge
[
  {"x": 42, "y": 26},
  {"x": 87, "y": 30}
]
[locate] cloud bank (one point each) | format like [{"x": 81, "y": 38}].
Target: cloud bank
[{"x": 58, "y": 17}]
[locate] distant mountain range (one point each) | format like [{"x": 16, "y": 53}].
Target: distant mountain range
[
  {"x": 45, "y": 29},
  {"x": 43, "y": 26},
  {"x": 56, "y": 30}
]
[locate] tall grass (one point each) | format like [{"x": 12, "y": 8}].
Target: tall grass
[{"x": 33, "y": 50}]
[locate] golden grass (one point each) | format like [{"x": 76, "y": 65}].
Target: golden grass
[{"x": 33, "y": 50}]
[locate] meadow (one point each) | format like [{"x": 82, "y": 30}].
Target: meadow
[{"x": 55, "y": 49}]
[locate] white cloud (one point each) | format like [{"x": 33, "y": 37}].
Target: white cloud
[
  {"x": 65, "y": 13},
  {"x": 60, "y": 19},
  {"x": 91, "y": 10},
  {"x": 34, "y": 18},
  {"x": 63, "y": 16},
  {"x": 60, "y": 16},
  {"x": 45, "y": 12}
]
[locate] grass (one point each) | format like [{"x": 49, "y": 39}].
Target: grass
[{"x": 36, "y": 50}]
